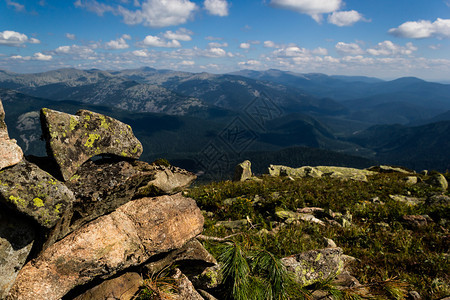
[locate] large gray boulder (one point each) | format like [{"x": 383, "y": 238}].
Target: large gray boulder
[
  {"x": 102, "y": 186},
  {"x": 342, "y": 173},
  {"x": 33, "y": 192},
  {"x": 16, "y": 240},
  {"x": 73, "y": 139},
  {"x": 10, "y": 152},
  {"x": 315, "y": 265},
  {"x": 127, "y": 237}
]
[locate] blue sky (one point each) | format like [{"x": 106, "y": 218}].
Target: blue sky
[{"x": 382, "y": 38}]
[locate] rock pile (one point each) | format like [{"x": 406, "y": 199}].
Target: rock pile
[{"x": 89, "y": 226}]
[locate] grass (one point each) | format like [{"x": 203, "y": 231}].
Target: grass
[{"x": 385, "y": 247}]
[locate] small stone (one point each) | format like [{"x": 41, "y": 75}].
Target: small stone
[
  {"x": 73, "y": 139},
  {"x": 330, "y": 243},
  {"x": 315, "y": 265},
  {"x": 411, "y": 180},
  {"x": 236, "y": 224},
  {"x": 413, "y": 295},
  {"x": 243, "y": 171},
  {"x": 415, "y": 221},
  {"x": 411, "y": 201}
]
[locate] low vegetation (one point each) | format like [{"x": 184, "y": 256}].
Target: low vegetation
[{"x": 392, "y": 256}]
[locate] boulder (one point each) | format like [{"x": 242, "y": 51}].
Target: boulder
[
  {"x": 185, "y": 289},
  {"x": 124, "y": 287},
  {"x": 290, "y": 216},
  {"x": 390, "y": 169},
  {"x": 411, "y": 201},
  {"x": 438, "y": 180},
  {"x": 73, "y": 139},
  {"x": 320, "y": 171},
  {"x": 315, "y": 266},
  {"x": 411, "y": 180},
  {"x": 10, "y": 152},
  {"x": 16, "y": 240},
  {"x": 102, "y": 186},
  {"x": 127, "y": 237},
  {"x": 33, "y": 192},
  {"x": 278, "y": 170},
  {"x": 243, "y": 171}
]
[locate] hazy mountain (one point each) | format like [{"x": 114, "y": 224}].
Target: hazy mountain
[{"x": 419, "y": 147}]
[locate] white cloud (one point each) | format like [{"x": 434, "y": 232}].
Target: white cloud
[
  {"x": 447, "y": 2},
  {"x": 213, "y": 38},
  {"x": 155, "y": 41},
  {"x": 345, "y": 18},
  {"x": 15, "y": 39},
  {"x": 313, "y": 8},
  {"x": 320, "y": 51},
  {"x": 181, "y": 34},
  {"x": 250, "y": 63},
  {"x": 244, "y": 46},
  {"x": 349, "y": 49},
  {"x": 152, "y": 13},
  {"x": 217, "y": 7},
  {"x": 70, "y": 36},
  {"x": 423, "y": 29},
  {"x": 36, "y": 56},
  {"x": 119, "y": 43},
  {"x": 77, "y": 52},
  {"x": 217, "y": 45},
  {"x": 141, "y": 53},
  {"x": 388, "y": 48},
  {"x": 159, "y": 13},
  {"x": 270, "y": 44},
  {"x": 187, "y": 63},
  {"x": 216, "y": 52},
  {"x": 17, "y": 6},
  {"x": 43, "y": 57},
  {"x": 94, "y": 6}
]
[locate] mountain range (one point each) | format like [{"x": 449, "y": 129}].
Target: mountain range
[{"x": 178, "y": 115}]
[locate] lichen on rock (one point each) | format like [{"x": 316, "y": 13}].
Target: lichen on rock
[
  {"x": 73, "y": 139},
  {"x": 10, "y": 152},
  {"x": 33, "y": 192}
]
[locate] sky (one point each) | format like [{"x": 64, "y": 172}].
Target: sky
[{"x": 380, "y": 38}]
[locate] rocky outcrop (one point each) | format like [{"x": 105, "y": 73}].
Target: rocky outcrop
[
  {"x": 35, "y": 193},
  {"x": 126, "y": 237},
  {"x": 73, "y": 139},
  {"x": 439, "y": 181},
  {"x": 10, "y": 152},
  {"x": 315, "y": 265},
  {"x": 320, "y": 171},
  {"x": 58, "y": 239},
  {"x": 102, "y": 186},
  {"x": 243, "y": 171},
  {"x": 16, "y": 240}
]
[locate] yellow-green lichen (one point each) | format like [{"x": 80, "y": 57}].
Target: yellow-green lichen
[
  {"x": 38, "y": 202},
  {"x": 318, "y": 257},
  {"x": 18, "y": 201},
  {"x": 135, "y": 150},
  {"x": 73, "y": 123},
  {"x": 104, "y": 123},
  {"x": 74, "y": 177},
  {"x": 57, "y": 207},
  {"x": 87, "y": 117},
  {"x": 91, "y": 139},
  {"x": 124, "y": 154}
]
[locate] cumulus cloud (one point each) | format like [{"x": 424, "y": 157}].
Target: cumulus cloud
[
  {"x": 141, "y": 53},
  {"x": 187, "y": 63},
  {"x": 70, "y": 36},
  {"x": 313, "y": 8},
  {"x": 349, "y": 49},
  {"x": 17, "y": 6},
  {"x": 155, "y": 41},
  {"x": 76, "y": 51},
  {"x": 181, "y": 34},
  {"x": 244, "y": 46},
  {"x": 250, "y": 63},
  {"x": 345, "y": 18},
  {"x": 15, "y": 39},
  {"x": 270, "y": 44},
  {"x": 388, "y": 48},
  {"x": 216, "y": 7},
  {"x": 320, "y": 51},
  {"x": 36, "y": 56},
  {"x": 119, "y": 43},
  {"x": 423, "y": 29},
  {"x": 217, "y": 45},
  {"x": 152, "y": 13}
]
